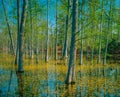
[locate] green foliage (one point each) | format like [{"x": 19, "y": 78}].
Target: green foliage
[{"x": 113, "y": 45}]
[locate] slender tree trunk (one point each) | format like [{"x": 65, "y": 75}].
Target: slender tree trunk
[
  {"x": 28, "y": 46},
  {"x": 37, "y": 54},
  {"x": 81, "y": 51},
  {"x": 107, "y": 37},
  {"x": 81, "y": 42},
  {"x": 31, "y": 31},
  {"x": 65, "y": 42},
  {"x": 21, "y": 36},
  {"x": 52, "y": 44},
  {"x": 100, "y": 36},
  {"x": 66, "y": 31},
  {"x": 9, "y": 30},
  {"x": 42, "y": 50},
  {"x": 47, "y": 41},
  {"x": 56, "y": 38},
  {"x": 118, "y": 28},
  {"x": 18, "y": 28},
  {"x": 99, "y": 54},
  {"x": 37, "y": 59},
  {"x": 106, "y": 46},
  {"x": 71, "y": 66},
  {"x": 111, "y": 16},
  {"x": 86, "y": 50},
  {"x": 25, "y": 49},
  {"x": 93, "y": 29},
  {"x": 118, "y": 35},
  {"x": 92, "y": 54}
]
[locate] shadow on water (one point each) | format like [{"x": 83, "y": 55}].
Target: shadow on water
[{"x": 48, "y": 81}]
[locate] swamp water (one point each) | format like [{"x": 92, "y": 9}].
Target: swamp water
[{"x": 48, "y": 81}]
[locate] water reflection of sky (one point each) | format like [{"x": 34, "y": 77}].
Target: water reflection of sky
[
  {"x": 5, "y": 83},
  {"x": 51, "y": 82}
]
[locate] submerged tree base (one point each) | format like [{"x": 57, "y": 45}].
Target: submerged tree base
[
  {"x": 70, "y": 83},
  {"x": 20, "y": 72}
]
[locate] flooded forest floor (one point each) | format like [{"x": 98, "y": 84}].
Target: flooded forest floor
[{"x": 47, "y": 80}]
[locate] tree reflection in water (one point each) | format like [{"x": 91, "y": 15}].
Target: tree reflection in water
[{"x": 20, "y": 77}]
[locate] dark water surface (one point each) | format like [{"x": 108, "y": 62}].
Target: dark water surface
[{"x": 48, "y": 81}]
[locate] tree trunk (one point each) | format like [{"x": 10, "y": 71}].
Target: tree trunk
[
  {"x": 86, "y": 50},
  {"x": 9, "y": 30},
  {"x": 37, "y": 57},
  {"x": 18, "y": 28},
  {"x": 107, "y": 37},
  {"x": 71, "y": 66},
  {"x": 81, "y": 45},
  {"x": 21, "y": 36},
  {"x": 118, "y": 35},
  {"x": 100, "y": 37},
  {"x": 56, "y": 38},
  {"x": 47, "y": 41},
  {"x": 31, "y": 31},
  {"x": 92, "y": 54},
  {"x": 99, "y": 55},
  {"x": 106, "y": 47},
  {"x": 66, "y": 31}
]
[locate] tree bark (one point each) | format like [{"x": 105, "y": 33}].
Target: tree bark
[
  {"x": 18, "y": 28},
  {"x": 100, "y": 37},
  {"x": 87, "y": 50},
  {"x": 71, "y": 66},
  {"x": 81, "y": 45},
  {"x": 31, "y": 31},
  {"x": 66, "y": 32},
  {"x": 37, "y": 57},
  {"x": 21, "y": 37},
  {"x": 106, "y": 46},
  {"x": 107, "y": 37}
]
